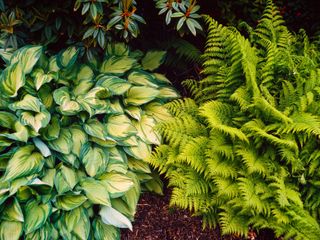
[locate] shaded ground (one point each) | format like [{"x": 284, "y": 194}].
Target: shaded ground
[{"x": 155, "y": 220}]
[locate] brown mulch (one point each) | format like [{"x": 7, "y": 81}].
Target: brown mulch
[{"x": 155, "y": 220}]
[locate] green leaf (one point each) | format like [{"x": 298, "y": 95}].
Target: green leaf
[
  {"x": 146, "y": 130},
  {"x": 63, "y": 144},
  {"x": 43, "y": 148},
  {"x": 27, "y": 56},
  {"x": 67, "y": 106},
  {"x": 117, "y": 65},
  {"x": 79, "y": 138},
  {"x": 65, "y": 180},
  {"x": 117, "y": 184},
  {"x": 168, "y": 93},
  {"x": 70, "y": 201},
  {"x": 117, "y": 49},
  {"x": 28, "y": 103},
  {"x": 82, "y": 229},
  {"x": 36, "y": 121},
  {"x": 95, "y": 128},
  {"x": 114, "y": 84},
  {"x": 10, "y": 230},
  {"x": 94, "y": 159},
  {"x": 105, "y": 232},
  {"x": 140, "y": 95},
  {"x": 67, "y": 57},
  {"x": 158, "y": 112},
  {"x": 120, "y": 126},
  {"x": 52, "y": 131},
  {"x": 23, "y": 163},
  {"x": 36, "y": 215},
  {"x": 153, "y": 59},
  {"x": 142, "y": 78},
  {"x": 20, "y": 133},
  {"x": 112, "y": 217},
  {"x": 40, "y": 77},
  {"x": 141, "y": 151},
  {"x": 96, "y": 191},
  {"x": 12, "y": 79},
  {"x": 13, "y": 212},
  {"x": 84, "y": 81},
  {"x": 134, "y": 112}
]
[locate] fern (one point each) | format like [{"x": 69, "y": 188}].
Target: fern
[{"x": 245, "y": 152}]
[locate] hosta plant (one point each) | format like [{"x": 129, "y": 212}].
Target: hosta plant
[
  {"x": 73, "y": 137},
  {"x": 244, "y": 152}
]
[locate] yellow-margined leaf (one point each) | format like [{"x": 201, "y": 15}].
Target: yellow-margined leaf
[
  {"x": 23, "y": 163},
  {"x": 168, "y": 93}
]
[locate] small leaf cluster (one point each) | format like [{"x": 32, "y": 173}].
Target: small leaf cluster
[
  {"x": 186, "y": 11},
  {"x": 244, "y": 152},
  {"x": 73, "y": 139}
]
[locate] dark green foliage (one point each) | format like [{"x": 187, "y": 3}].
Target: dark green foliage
[{"x": 244, "y": 153}]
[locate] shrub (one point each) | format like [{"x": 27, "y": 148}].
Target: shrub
[
  {"x": 244, "y": 151},
  {"x": 73, "y": 136}
]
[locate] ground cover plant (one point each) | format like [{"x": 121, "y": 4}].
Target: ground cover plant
[
  {"x": 243, "y": 152},
  {"x": 73, "y": 136}
]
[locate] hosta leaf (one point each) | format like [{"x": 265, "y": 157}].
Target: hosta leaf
[
  {"x": 108, "y": 142},
  {"x": 94, "y": 159},
  {"x": 141, "y": 151},
  {"x": 82, "y": 229},
  {"x": 71, "y": 218},
  {"x": 27, "y": 56},
  {"x": 20, "y": 133},
  {"x": 46, "y": 96},
  {"x": 112, "y": 217},
  {"x": 117, "y": 49},
  {"x": 52, "y": 131},
  {"x": 140, "y": 95},
  {"x": 161, "y": 78},
  {"x": 169, "y": 93},
  {"x": 105, "y": 232},
  {"x": 117, "y": 184},
  {"x": 45, "y": 232},
  {"x": 7, "y": 119},
  {"x": 142, "y": 78},
  {"x": 70, "y": 201},
  {"x": 36, "y": 215},
  {"x": 12, "y": 79},
  {"x": 146, "y": 130},
  {"x": 158, "y": 112},
  {"x": 120, "y": 126},
  {"x": 63, "y": 144},
  {"x": 116, "y": 106},
  {"x": 67, "y": 106},
  {"x": 134, "y": 112},
  {"x": 91, "y": 101},
  {"x": 28, "y": 103},
  {"x": 39, "y": 186},
  {"x": 67, "y": 57},
  {"x": 43, "y": 148},
  {"x": 10, "y": 230},
  {"x": 35, "y": 121},
  {"x": 4, "y": 194},
  {"x": 95, "y": 128},
  {"x": 114, "y": 84},
  {"x": 79, "y": 138},
  {"x": 96, "y": 191},
  {"x": 153, "y": 59},
  {"x": 65, "y": 179},
  {"x": 13, "y": 212},
  {"x": 131, "y": 197},
  {"x": 139, "y": 166},
  {"x": 117, "y": 65},
  {"x": 40, "y": 77},
  {"x": 23, "y": 163}
]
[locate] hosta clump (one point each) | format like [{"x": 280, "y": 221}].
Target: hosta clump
[
  {"x": 73, "y": 137},
  {"x": 244, "y": 153}
]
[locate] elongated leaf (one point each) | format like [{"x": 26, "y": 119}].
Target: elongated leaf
[
  {"x": 63, "y": 144},
  {"x": 112, "y": 217},
  {"x": 146, "y": 130},
  {"x": 95, "y": 128},
  {"x": 36, "y": 121},
  {"x": 117, "y": 184},
  {"x": 96, "y": 191},
  {"x": 79, "y": 138},
  {"x": 67, "y": 57},
  {"x": 43, "y": 148},
  {"x": 20, "y": 133},
  {"x": 141, "y": 151},
  {"x": 153, "y": 59},
  {"x": 52, "y": 131},
  {"x": 117, "y": 65},
  {"x": 84, "y": 81},
  {"x": 120, "y": 126},
  {"x": 13, "y": 212},
  {"x": 70, "y": 201},
  {"x": 134, "y": 112},
  {"x": 28, "y": 103},
  {"x": 10, "y": 230},
  {"x": 23, "y": 163},
  {"x": 114, "y": 84},
  {"x": 12, "y": 79},
  {"x": 66, "y": 179},
  {"x": 158, "y": 112},
  {"x": 105, "y": 232},
  {"x": 140, "y": 95},
  {"x": 94, "y": 159},
  {"x": 36, "y": 215},
  {"x": 67, "y": 106},
  {"x": 27, "y": 56},
  {"x": 82, "y": 229},
  {"x": 41, "y": 78},
  {"x": 142, "y": 78}
]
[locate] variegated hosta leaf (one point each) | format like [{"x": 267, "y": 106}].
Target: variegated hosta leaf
[
  {"x": 94, "y": 101},
  {"x": 28, "y": 103},
  {"x": 10, "y": 230},
  {"x": 27, "y": 56},
  {"x": 36, "y": 215},
  {"x": 113, "y": 217},
  {"x": 23, "y": 163},
  {"x": 157, "y": 111},
  {"x": 67, "y": 57},
  {"x": 142, "y": 78},
  {"x": 65, "y": 179},
  {"x": 105, "y": 232},
  {"x": 52, "y": 131},
  {"x": 117, "y": 65},
  {"x": 46, "y": 96},
  {"x": 114, "y": 84},
  {"x": 134, "y": 112},
  {"x": 45, "y": 232},
  {"x": 84, "y": 81},
  {"x": 35, "y": 120},
  {"x": 12, "y": 79},
  {"x": 153, "y": 59},
  {"x": 95, "y": 129},
  {"x": 117, "y": 49},
  {"x": 162, "y": 79},
  {"x": 120, "y": 126},
  {"x": 43, "y": 148},
  {"x": 13, "y": 212},
  {"x": 96, "y": 191},
  {"x": 19, "y": 132},
  {"x": 70, "y": 201},
  {"x": 141, "y": 151},
  {"x": 117, "y": 184},
  {"x": 140, "y": 95},
  {"x": 94, "y": 159},
  {"x": 79, "y": 138},
  {"x": 63, "y": 143},
  {"x": 40, "y": 77},
  {"x": 146, "y": 130},
  {"x": 66, "y": 105},
  {"x": 168, "y": 92}
]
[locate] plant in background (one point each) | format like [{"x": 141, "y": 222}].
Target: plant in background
[
  {"x": 73, "y": 136},
  {"x": 244, "y": 152},
  {"x": 185, "y": 10}
]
